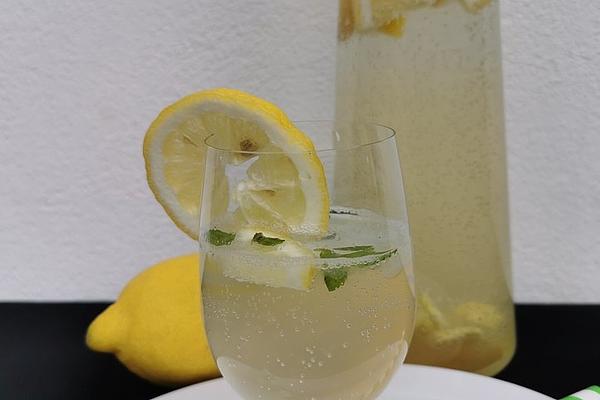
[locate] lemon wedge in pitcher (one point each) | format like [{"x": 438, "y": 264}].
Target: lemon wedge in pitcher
[
  {"x": 383, "y": 14},
  {"x": 286, "y": 190}
]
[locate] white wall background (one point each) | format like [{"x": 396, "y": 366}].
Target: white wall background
[{"x": 81, "y": 80}]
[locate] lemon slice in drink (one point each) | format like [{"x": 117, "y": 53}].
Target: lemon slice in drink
[
  {"x": 378, "y": 14},
  {"x": 475, "y": 5},
  {"x": 288, "y": 191},
  {"x": 279, "y": 262},
  {"x": 387, "y": 16}
]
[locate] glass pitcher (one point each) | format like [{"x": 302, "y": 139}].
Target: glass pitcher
[{"x": 431, "y": 69}]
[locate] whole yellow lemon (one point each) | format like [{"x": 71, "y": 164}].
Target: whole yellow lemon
[{"x": 156, "y": 327}]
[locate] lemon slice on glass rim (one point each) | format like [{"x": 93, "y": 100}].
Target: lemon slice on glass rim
[{"x": 288, "y": 191}]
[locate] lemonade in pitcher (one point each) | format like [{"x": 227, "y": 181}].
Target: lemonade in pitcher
[{"x": 431, "y": 70}]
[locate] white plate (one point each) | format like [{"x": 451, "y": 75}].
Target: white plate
[{"x": 411, "y": 382}]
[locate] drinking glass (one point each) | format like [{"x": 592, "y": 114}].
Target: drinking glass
[{"x": 299, "y": 316}]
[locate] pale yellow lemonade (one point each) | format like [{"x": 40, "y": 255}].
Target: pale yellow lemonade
[
  {"x": 322, "y": 342},
  {"x": 431, "y": 70}
]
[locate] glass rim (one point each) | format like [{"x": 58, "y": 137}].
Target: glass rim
[{"x": 390, "y": 134}]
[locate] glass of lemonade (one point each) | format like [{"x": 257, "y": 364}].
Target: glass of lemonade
[{"x": 291, "y": 314}]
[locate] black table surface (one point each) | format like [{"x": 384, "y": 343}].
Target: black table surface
[{"x": 43, "y": 355}]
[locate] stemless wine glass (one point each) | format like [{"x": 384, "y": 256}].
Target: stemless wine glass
[{"x": 292, "y": 316}]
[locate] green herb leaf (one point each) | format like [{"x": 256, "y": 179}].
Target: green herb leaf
[
  {"x": 342, "y": 212},
  {"x": 335, "y": 278},
  {"x": 355, "y": 248},
  {"x": 327, "y": 253},
  {"x": 368, "y": 251},
  {"x": 265, "y": 240},
  {"x": 219, "y": 238},
  {"x": 382, "y": 256}
]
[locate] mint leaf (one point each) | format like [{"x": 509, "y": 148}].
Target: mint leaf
[
  {"x": 265, "y": 240},
  {"x": 355, "y": 248},
  {"x": 382, "y": 256},
  {"x": 326, "y": 253},
  {"x": 367, "y": 251},
  {"x": 342, "y": 212},
  {"x": 219, "y": 238},
  {"x": 335, "y": 278}
]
